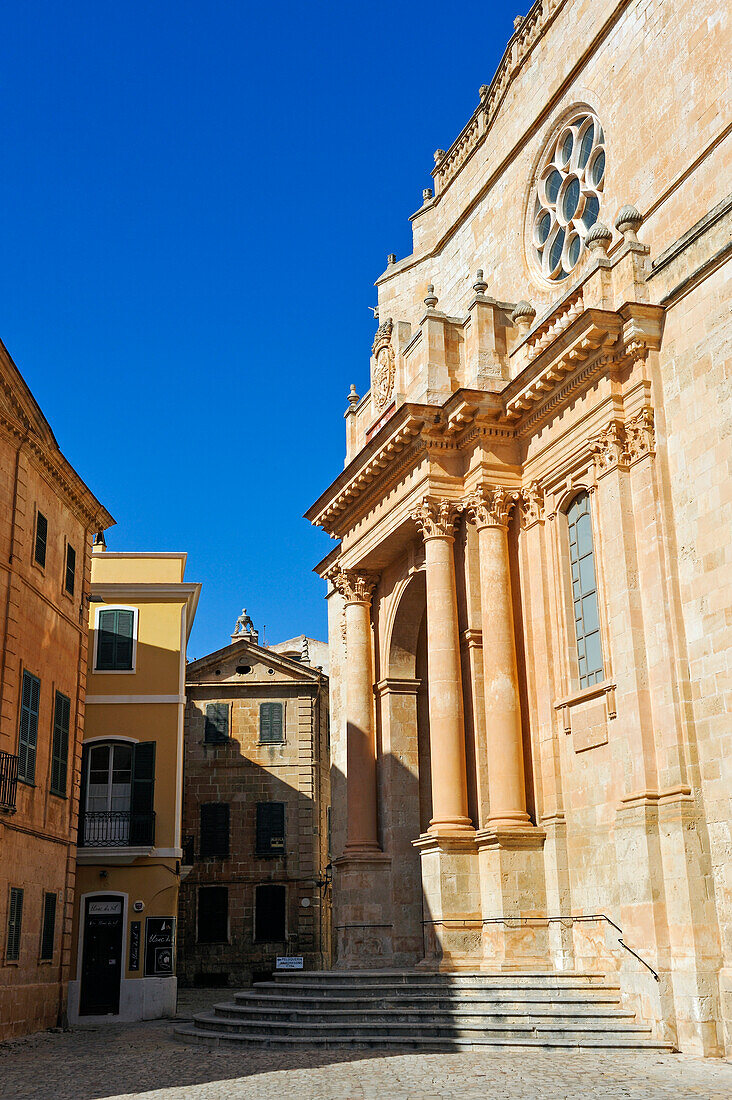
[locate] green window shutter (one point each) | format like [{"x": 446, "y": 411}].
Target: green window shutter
[
  {"x": 142, "y": 802},
  {"x": 28, "y": 734},
  {"x": 82, "y": 793},
  {"x": 60, "y": 750},
  {"x": 214, "y": 830},
  {"x": 116, "y": 631},
  {"x": 270, "y": 722},
  {"x": 49, "y": 926},
  {"x": 70, "y": 581},
  {"x": 217, "y": 722},
  {"x": 15, "y": 924},
  {"x": 41, "y": 538},
  {"x": 270, "y": 835}
]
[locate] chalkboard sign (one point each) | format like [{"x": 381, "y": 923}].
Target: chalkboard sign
[
  {"x": 135, "y": 945},
  {"x": 160, "y": 945}
]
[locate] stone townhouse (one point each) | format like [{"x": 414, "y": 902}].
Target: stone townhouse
[
  {"x": 530, "y": 598},
  {"x": 256, "y": 812},
  {"x": 48, "y": 517}
]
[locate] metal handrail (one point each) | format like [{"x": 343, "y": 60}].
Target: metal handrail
[
  {"x": 116, "y": 829},
  {"x": 8, "y": 780},
  {"x": 563, "y": 918}
]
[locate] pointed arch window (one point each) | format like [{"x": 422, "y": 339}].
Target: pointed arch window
[{"x": 584, "y": 591}]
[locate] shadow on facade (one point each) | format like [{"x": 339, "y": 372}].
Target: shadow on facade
[{"x": 275, "y": 836}]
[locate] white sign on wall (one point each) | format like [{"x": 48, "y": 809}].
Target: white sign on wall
[
  {"x": 289, "y": 962},
  {"x": 97, "y": 907}
]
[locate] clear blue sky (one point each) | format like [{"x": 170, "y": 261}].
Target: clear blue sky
[{"x": 195, "y": 201}]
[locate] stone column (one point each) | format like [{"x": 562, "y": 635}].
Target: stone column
[
  {"x": 362, "y": 920},
  {"x": 361, "y": 833},
  {"x": 490, "y": 509},
  {"x": 450, "y": 876},
  {"x": 447, "y": 727}
]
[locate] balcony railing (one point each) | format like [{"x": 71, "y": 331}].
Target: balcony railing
[
  {"x": 8, "y": 781},
  {"x": 116, "y": 829}
]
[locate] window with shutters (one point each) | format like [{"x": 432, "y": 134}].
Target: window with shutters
[
  {"x": 70, "y": 577},
  {"x": 270, "y": 723},
  {"x": 41, "y": 543},
  {"x": 116, "y": 639},
  {"x": 584, "y": 591},
  {"x": 270, "y": 839},
  {"x": 213, "y": 914},
  {"x": 15, "y": 924},
  {"x": 217, "y": 722},
  {"x": 270, "y": 925},
  {"x": 60, "y": 747},
  {"x": 48, "y": 930},
  {"x": 214, "y": 830},
  {"x": 117, "y": 795},
  {"x": 28, "y": 733}
]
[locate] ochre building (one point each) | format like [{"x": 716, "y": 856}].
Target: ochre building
[
  {"x": 129, "y": 846},
  {"x": 530, "y": 598},
  {"x": 256, "y": 811},
  {"x": 47, "y": 519}
]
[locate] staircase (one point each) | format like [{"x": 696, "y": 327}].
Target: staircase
[{"x": 417, "y": 1010}]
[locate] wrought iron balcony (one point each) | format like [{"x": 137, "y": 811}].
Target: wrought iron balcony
[
  {"x": 116, "y": 829},
  {"x": 8, "y": 781}
]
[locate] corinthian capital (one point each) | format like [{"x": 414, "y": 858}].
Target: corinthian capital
[
  {"x": 437, "y": 519},
  {"x": 355, "y": 585},
  {"x": 491, "y": 507}
]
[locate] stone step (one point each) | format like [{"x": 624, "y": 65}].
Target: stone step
[
  {"x": 461, "y": 1014},
  {"x": 369, "y": 989},
  {"x": 431, "y": 977},
  {"x": 552, "y": 1041},
  {"x": 436, "y": 1001},
  {"x": 441, "y": 1029}
]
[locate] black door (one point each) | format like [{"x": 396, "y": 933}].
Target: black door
[{"x": 101, "y": 965}]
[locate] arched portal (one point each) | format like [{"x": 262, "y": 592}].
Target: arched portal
[{"x": 404, "y": 766}]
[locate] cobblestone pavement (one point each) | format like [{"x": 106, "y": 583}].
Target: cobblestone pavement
[{"x": 145, "y": 1062}]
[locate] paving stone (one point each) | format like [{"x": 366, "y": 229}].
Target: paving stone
[{"x": 144, "y": 1061}]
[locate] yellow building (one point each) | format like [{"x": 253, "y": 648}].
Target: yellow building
[{"x": 129, "y": 846}]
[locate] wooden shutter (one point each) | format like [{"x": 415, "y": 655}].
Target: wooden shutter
[
  {"x": 116, "y": 628},
  {"x": 269, "y": 913},
  {"x": 82, "y": 794},
  {"x": 142, "y": 819},
  {"x": 70, "y": 570},
  {"x": 214, "y": 829},
  {"x": 49, "y": 926},
  {"x": 217, "y": 722},
  {"x": 41, "y": 538},
  {"x": 270, "y": 829},
  {"x": 60, "y": 751},
  {"x": 270, "y": 722},
  {"x": 28, "y": 734},
  {"x": 15, "y": 924},
  {"x": 213, "y": 914}
]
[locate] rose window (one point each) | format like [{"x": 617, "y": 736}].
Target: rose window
[{"x": 568, "y": 195}]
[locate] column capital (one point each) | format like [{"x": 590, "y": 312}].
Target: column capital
[
  {"x": 355, "y": 585},
  {"x": 436, "y": 519},
  {"x": 491, "y": 507}
]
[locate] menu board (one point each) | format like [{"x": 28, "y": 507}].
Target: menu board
[{"x": 160, "y": 945}]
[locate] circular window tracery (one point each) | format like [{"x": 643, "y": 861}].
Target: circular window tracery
[{"x": 568, "y": 192}]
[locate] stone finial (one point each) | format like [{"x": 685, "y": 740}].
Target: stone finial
[
  {"x": 99, "y": 542},
  {"x": 518, "y": 21},
  {"x": 353, "y": 398},
  {"x": 244, "y": 628},
  {"x": 483, "y": 90},
  {"x": 598, "y": 239},
  {"x": 426, "y": 194},
  {"x": 628, "y": 222},
  {"x": 480, "y": 285},
  {"x": 305, "y": 651},
  {"x": 431, "y": 299},
  {"x": 523, "y": 315},
  {"x": 439, "y": 154},
  {"x": 391, "y": 259}
]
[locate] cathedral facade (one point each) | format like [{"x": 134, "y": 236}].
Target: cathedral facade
[{"x": 529, "y": 601}]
